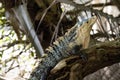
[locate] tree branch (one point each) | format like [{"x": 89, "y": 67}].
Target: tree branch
[
  {"x": 101, "y": 4},
  {"x": 98, "y": 56}
]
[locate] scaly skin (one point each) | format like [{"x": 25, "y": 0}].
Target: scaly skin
[{"x": 63, "y": 47}]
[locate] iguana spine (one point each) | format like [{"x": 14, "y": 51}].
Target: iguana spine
[{"x": 63, "y": 47}]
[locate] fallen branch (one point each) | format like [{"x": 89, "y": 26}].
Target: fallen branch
[{"x": 98, "y": 56}]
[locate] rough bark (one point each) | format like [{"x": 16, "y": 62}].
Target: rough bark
[{"x": 98, "y": 56}]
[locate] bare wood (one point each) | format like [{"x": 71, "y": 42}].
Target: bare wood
[{"x": 98, "y": 56}]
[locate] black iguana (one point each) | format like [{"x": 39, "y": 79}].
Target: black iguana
[{"x": 63, "y": 47}]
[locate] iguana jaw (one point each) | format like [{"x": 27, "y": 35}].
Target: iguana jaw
[{"x": 83, "y": 33}]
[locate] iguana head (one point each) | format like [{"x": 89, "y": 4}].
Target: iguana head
[{"x": 83, "y": 32}]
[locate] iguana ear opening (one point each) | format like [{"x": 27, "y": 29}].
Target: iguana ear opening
[{"x": 76, "y": 48}]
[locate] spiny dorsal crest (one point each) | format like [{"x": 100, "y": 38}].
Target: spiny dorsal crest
[{"x": 77, "y": 35}]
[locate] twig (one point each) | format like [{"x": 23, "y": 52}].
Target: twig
[
  {"x": 45, "y": 12},
  {"x": 57, "y": 27}
]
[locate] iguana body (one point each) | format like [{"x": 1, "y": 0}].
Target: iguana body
[{"x": 63, "y": 47}]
